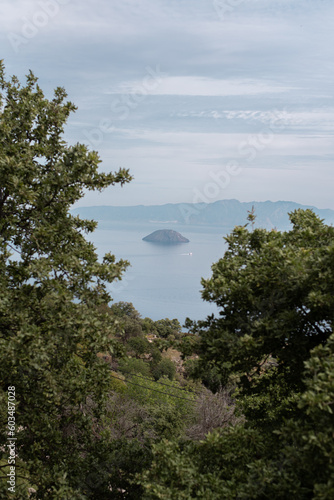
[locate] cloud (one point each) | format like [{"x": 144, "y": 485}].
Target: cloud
[
  {"x": 222, "y": 81},
  {"x": 190, "y": 146},
  {"x": 202, "y": 86},
  {"x": 316, "y": 118}
]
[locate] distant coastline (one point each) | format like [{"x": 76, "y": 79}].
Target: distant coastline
[{"x": 221, "y": 214}]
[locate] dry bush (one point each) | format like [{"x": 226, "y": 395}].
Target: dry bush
[
  {"x": 128, "y": 419},
  {"x": 213, "y": 411}
]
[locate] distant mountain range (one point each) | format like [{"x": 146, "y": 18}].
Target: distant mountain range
[{"x": 223, "y": 213}]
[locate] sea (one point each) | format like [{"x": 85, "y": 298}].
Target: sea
[{"x": 162, "y": 281}]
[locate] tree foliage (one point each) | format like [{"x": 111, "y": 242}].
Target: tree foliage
[
  {"x": 273, "y": 337},
  {"x": 51, "y": 287},
  {"x": 167, "y": 327},
  {"x": 243, "y": 462},
  {"x": 165, "y": 368},
  {"x": 275, "y": 295}
]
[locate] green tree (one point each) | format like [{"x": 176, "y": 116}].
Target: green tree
[
  {"x": 124, "y": 310},
  {"x": 165, "y": 367},
  {"x": 244, "y": 462},
  {"x": 166, "y": 327},
  {"x": 139, "y": 346},
  {"x": 273, "y": 337},
  {"x": 148, "y": 326},
  {"x": 275, "y": 295},
  {"x": 129, "y": 320},
  {"x": 51, "y": 288}
]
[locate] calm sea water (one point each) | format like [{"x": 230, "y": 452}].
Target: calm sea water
[{"x": 163, "y": 281}]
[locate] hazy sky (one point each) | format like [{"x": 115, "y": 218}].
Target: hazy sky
[{"x": 201, "y": 99}]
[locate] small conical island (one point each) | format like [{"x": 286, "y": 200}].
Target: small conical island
[{"x": 166, "y": 237}]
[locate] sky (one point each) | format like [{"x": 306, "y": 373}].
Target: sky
[{"x": 201, "y": 100}]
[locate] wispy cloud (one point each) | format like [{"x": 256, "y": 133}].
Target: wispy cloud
[
  {"x": 233, "y": 145},
  {"x": 203, "y": 86},
  {"x": 319, "y": 118}
]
